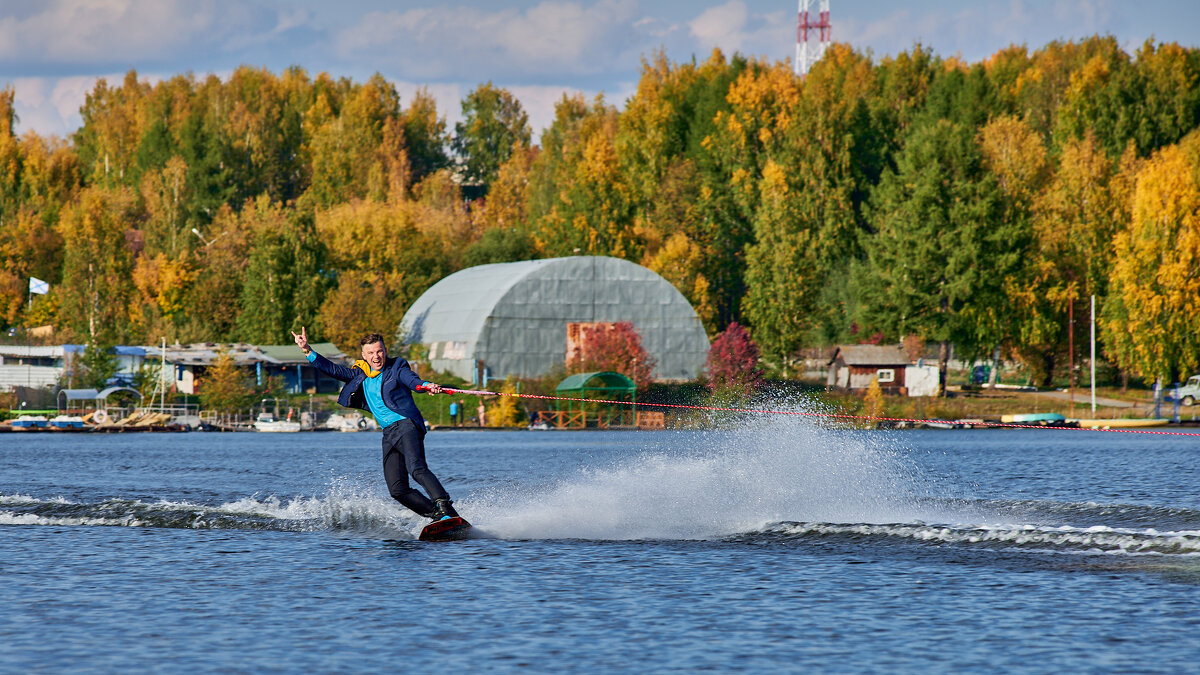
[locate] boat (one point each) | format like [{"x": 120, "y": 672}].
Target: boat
[
  {"x": 1033, "y": 418},
  {"x": 30, "y": 422},
  {"x": 1124, "y": 423},
  {"x": 267, "y": 422},
  {"x": 67, "y": 422},
  {"x": 350, "y": 422}
]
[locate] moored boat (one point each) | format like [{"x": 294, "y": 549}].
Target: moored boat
[
  {"x": 29, "y": 422},
  {"x": 1033, "y": 418},
  {"x": 267, "y": 422},
  {"x": 67, "y": 422},
  {"x": 1124, "y": 423}
]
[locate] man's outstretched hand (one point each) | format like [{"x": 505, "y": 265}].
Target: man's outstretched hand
[{"x": 302, "y": 340}]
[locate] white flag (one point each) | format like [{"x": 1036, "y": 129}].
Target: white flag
[{"x": 38, "y": 286}]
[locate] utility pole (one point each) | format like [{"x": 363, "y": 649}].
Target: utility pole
[
  {"x": 1093, "y": 355},
  {"x": 1071, "y": 350}
]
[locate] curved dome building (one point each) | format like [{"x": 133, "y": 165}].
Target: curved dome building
[{"x": 511, "y": 318}]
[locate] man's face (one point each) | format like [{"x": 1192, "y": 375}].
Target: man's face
[{"x": 374, "y": 354}]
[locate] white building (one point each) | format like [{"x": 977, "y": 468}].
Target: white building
[{"x": 512, "y": 318}]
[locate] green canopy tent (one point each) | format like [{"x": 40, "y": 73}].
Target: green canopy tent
[{"x": 606, "y": 386}]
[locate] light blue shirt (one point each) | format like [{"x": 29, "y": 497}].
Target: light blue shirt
[{"x": 373, "y": 391}]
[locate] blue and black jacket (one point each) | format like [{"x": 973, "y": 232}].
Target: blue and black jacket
[{"x": 399, "y": 380}]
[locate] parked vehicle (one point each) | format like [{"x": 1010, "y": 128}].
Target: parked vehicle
[{"x": 1189, "y": 393}]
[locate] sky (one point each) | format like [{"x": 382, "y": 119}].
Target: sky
[{"x": 52, "y": 52}]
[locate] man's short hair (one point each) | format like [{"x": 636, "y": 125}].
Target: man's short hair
[{"x": 370, "y": 339}]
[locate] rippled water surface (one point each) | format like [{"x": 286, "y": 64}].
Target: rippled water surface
[{"x": 774, "y": 546}]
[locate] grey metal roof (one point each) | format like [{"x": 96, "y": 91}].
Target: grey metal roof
[
  {"x": 513, "y": 316},
  {"x": 871, "y": 355},
  {"x": 608, "y": 381},
  {"x": 291, "y": 354},
  {"x": 35, "y": 351},
  {"x": 109, "y": 391}
]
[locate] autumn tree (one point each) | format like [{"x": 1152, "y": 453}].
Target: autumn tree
[
  {"x": 783, "y": 269},
  {"x": 108, "y": 140},
  {"x": 673, "y": 237},
  {"x": 1015, "y": 155},
  {"x": 493, "y": 120},
  {"x": 226, "y": 387},
  {"x": 746, "y": 137},
  {"x": 358, "y": 151},
  {"x": 1074, "y": 218},
  {"x": 506, "y": 412},
  {"x": 936, "y": 263},
  {"x": 375, "y": 284},
  {"x": 507, "y": 203},
  {"x": 1153, "y": 279},
  {"x": 503, "y": 217},
  {"x": 615, "y": 347},
  {"x": 97, "y": 268},
  {"x": 732, "y": 362},
  {"x": 283, "y": 284},
  {"x": 1160, "y": 78},
  {"x": 38, "y": 177},
  {"x": 592, "y": 212},
  {"x": 425, "y": 137},
  {"x": 669, "y": 170},
  {"x": 809, "y": 217}
]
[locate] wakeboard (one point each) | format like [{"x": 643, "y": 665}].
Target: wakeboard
[{"x": 446, "y": 530}]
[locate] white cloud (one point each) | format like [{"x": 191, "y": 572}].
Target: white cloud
[
  {"x": 553, "y": 37},
  {"x": 50, "y": 105},
  {"x": 734, "y": 28},
  {"x": 80, "y": 35},
  {"x": 977, "y": 30},
  {"x": 70, "y": 31},
  {"x": 723, "y": 26}
]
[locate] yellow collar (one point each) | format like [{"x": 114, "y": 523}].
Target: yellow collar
[{"x": 366, "y": 368}]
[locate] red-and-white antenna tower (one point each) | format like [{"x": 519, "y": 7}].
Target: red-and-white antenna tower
[{"x": 823, "y": 30}]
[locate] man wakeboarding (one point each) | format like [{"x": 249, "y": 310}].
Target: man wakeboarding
[{"x": 384, "y": 387}]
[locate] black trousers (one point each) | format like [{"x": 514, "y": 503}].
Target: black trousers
[{"x": 404, "y": 456}]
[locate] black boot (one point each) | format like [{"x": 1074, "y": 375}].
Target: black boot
[{"x": 445, "y": 509}]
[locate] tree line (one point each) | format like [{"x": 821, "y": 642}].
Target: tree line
[{"x": 911, "y": 197}]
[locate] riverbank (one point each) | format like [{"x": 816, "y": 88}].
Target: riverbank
[{"x": 996, "y": 403}]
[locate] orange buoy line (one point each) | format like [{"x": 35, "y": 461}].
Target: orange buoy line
[{"x": 760, "y": 411}]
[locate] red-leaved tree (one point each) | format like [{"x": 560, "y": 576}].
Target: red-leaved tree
[
  {"x": 615, "y": 347},
  {"x": 733, "y": 361}
]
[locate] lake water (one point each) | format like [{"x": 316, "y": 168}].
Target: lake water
[{"x": 773, "y": 545}]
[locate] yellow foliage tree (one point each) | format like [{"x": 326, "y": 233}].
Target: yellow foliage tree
[
  {"x": 506, "y": 412},
  {"x": 1154, "y": 279},
  {"x": 385, "y": 262},
  {"x": 873, "y": 400},
  {"x": 226, "y": 387}
]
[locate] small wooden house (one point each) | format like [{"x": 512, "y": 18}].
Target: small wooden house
[{"x": 853, "y": 366}]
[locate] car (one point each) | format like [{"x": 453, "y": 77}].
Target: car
[{"x": 1189, "y": 392}]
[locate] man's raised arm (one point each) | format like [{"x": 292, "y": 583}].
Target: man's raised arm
[{"x": 320, "y": 362}]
